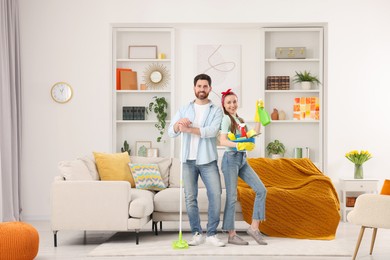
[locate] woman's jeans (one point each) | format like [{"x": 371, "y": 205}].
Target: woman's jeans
[
  {"x": 210, "y": 177},
  {"x": 234, "y": 165}
]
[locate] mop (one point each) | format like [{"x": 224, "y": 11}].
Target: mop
[{"x": 180, "y": 244}]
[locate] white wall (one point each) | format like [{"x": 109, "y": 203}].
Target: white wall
[{"x": 70, "y": 41}]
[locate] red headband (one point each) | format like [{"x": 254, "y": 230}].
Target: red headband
[{"x": 227, "y": 92}]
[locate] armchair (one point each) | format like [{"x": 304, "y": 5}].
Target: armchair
[{"x": 370, "y": 211}]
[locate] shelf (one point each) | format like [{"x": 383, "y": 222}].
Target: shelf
[
  {"x": 143, "y": 60},
  {"x": 294, "y": 121},
  {"x": 293, "y": 91},
  {"x": 142, "y": 91},
  {"x": 139, "y": 121},
  {"x": 292, "y": 60}
]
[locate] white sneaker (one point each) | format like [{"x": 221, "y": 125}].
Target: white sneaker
[
  {"x": 214, "y": 241},
  {"x": 197, "y": 239}
]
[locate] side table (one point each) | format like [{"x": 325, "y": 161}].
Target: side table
[{"x": 355, "y": 187}]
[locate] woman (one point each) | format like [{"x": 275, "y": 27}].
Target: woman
[{"x": 234, "y": 165}]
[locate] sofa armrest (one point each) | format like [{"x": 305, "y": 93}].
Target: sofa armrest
[{"x": 90, "y": 205}]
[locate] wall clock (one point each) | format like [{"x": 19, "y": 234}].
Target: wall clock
[{"x": 61, "y": 92}]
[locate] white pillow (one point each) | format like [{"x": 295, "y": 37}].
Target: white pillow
[
  {"x": 74, "y": 170},
  {"x": 89, "y": 161}
]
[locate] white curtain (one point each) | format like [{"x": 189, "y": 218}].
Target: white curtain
[{"x": 10, "y": 111}]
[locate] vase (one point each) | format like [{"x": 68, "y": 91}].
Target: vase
[
  {"x": 358, "y": 171},
  {"x": 275, "y": 115}
]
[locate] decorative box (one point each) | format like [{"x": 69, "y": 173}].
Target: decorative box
[
  {"x": 350, "y": 201},
  {"x": 278, "y": 82},
  {"x": 290, "y": 52}
]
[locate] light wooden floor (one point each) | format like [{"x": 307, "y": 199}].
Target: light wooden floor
[{"x": 73, "y": 244}]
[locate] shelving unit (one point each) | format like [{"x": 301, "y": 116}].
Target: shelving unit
[
  {"x": 141, "y": 130},
  {"x": 294, "y": 133},
  {"x": 354, "y": 188}
]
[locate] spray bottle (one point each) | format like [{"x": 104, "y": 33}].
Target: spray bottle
[{"x": 263, "y": 114}]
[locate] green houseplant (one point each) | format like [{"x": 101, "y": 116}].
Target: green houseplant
[
  {"x": 306, "y": 79},
  {"x": 159, "y": 106},
  {"x": 275, "y": 149},
  {"x": 126, "y": 147}
]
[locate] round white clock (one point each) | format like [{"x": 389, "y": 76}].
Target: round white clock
[{"x": 61, "y": 92}]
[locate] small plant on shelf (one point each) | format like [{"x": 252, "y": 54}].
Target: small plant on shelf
[
  {"x": 126, "y": 147},
  {"x": 276, "y": 149},
  {"x": 305, "y": 76},
  {"x": 159, "y": 106}
]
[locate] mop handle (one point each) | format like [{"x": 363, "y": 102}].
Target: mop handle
[{"x": 181, "y": 179}]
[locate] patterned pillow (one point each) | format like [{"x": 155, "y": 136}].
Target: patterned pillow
[{"x": 147, "y": 176}]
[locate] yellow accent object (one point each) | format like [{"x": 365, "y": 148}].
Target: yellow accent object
[
  {"x": 257, "y": 116},
  {"x": 248, "y": 146},
  {"x": 251, "y": 133},
  {"x": 18, "y": 240},
  {"x": 386, "y": 188},
  {"x": 231, "y": 136},
  {"x": 260, "y": 103},
  {"x": 114, "y": 167},
  {"x": 301, "y": 201}
]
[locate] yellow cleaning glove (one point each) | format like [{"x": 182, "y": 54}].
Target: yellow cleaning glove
[
  {"x": 245, "y": 146},
  {"x": 257, "y": 116},
  {"x": 231, "y": 136}
]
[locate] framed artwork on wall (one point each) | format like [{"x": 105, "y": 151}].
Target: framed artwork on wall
[
  {"x": 222, "y": 62},
  {"x": 152, "y": 152},
  {"x": 141, "y": 148}
]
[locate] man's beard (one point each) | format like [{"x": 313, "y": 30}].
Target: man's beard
[{"x": 202, "y": 95}]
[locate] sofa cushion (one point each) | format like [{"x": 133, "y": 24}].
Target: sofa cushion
[
  {"x": 74, "y": 170},
  {"x": 141, "y": 203},
  {"x": 114, "y": 167},
  {"x": 147, "y": 176},
  {"x": 89, "y": 161},
  {"x": 164, "y": 164}
]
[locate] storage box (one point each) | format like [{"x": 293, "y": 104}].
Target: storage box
[
  {"x": 128, "y": 80},
  {"x": 278, "y": 82},
  {"x": 350, "y": 201},
  {"x": 290, "y": 52}
]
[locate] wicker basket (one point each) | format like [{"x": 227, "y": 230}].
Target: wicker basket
[{"x": 350, "y": 201}]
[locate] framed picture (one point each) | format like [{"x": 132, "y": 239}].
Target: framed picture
[
  {"x": 152, "y": 152},
  {"x": 141, "y": 148},
  {"x": 143, "y": 52}
]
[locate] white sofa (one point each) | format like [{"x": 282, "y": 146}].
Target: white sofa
[{"x": 80, "y": 201}]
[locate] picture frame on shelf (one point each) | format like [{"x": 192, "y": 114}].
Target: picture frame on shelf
[
  {"x": 152, "y": 152},
  {"x": 141, "y": 148},
  {"x": 143, "y": 52}
]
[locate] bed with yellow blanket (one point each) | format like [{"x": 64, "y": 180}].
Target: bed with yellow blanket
[{"x": 301, "y": 201}]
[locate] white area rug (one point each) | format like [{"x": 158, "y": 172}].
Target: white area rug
[{"x": 123, "y": 244}]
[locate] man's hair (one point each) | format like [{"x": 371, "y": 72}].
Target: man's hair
[{"x": 202, "y": 77}]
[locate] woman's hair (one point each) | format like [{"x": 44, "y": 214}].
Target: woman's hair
[{"x": 233, "y": 125}]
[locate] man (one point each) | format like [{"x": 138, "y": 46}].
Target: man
[{"x": 200, "y": 121}]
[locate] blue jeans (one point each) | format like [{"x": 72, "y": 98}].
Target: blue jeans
[
  {"x": 210, "y": 177},
  {"x": 234, "y": 165}
]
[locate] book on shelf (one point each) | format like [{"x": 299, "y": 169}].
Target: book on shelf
[
  {"x": 126, "y": 79},
  {"x": 278, "y": 82}
]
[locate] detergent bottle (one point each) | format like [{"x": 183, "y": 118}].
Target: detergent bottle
[{"x": 263, "y": 114}]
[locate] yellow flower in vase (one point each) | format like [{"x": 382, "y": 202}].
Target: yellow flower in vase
[{"x": 358, "y": 158}]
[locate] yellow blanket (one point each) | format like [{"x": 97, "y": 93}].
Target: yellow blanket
[{"x": 301, "y": 201}]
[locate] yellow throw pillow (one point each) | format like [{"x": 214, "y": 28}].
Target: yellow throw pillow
[
  {"x": 386, "y": 188},
  {"x": 114, "y": 167}
]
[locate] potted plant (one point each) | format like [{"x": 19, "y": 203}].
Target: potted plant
[
  {"x": 159, "y": 106},
  {"x": 126, "y": 147},
  {"x": 276, "y": 149},
  {"x": 306, "y": 79}
]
